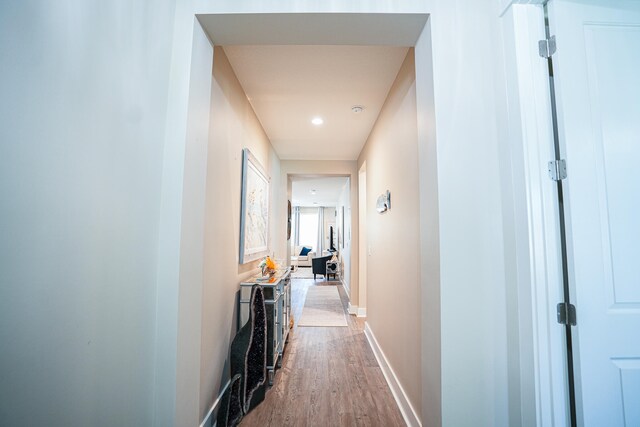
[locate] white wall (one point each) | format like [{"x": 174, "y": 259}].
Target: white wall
[
  {"x": 177, "y": 302},
  {"x": 192, "y": 261},
  {"x": 84, "y": 99},
  {"x": 470, "y": 125},
  {"x": 431, "y": 325}
]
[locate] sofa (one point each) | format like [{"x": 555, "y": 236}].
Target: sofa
[{"x": 301, "y": 261}]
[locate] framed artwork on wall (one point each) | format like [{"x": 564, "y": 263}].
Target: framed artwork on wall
[{"x": 254, "y": 209}]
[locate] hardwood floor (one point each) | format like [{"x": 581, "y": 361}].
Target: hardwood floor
[{"x": 329, "y": 377}]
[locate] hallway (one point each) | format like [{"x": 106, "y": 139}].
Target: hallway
[
  {"x": 486, "y": 202},
  {"x": 329, "y": 377}
]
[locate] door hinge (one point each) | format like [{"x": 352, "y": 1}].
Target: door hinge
[
  {"x": 557, "y": 169},
  {"x": 547, "y": 47},
  {"x": 566, "y": 314}
]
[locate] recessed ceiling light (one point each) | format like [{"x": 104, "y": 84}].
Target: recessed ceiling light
[
  {"x": 315, "y": 203},
  {"x": 313, "y": 192},
  {"x": 357, "y": 108},
  {"x": 317, "y": 121}
]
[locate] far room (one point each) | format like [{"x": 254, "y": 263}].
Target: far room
[{"x": 318, "y": 227}]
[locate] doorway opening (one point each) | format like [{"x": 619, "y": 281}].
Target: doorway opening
[
  {"x": 282, "y": 168},
  {"x": 320, "y": 228}
]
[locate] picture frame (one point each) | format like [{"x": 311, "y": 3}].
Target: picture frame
[{"x": 254, "y": 209}]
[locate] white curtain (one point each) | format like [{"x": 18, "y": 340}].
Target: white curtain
[
  {"x": 296, "y": 226},
  {"x": 320, "y": 231}
]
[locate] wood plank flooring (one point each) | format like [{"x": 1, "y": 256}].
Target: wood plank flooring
[{"x": 329, "y": 377}]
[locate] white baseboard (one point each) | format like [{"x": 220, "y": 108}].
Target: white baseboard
[
  {"x": 215, "y": 404},
  {"x": 408, "y": 413},
  {"x": 357, "y": 311},
  {"x": 353, "y": 309},
  {"x": 345, "y": 286}
]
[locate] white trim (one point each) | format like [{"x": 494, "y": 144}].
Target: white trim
[
  {"x": 214, "y": 406},
  {"x": 345, "y": 286},
  {"x": 541, "y": 338},
  {"x": 347, "y": 290},
  {"x": 353, "y": 309},
  {"x": 357, "y": 311},
  {"x": 362, "y": 238},
  {"x": 506, "y": 4},
  {"x": 408, "y": 413}
]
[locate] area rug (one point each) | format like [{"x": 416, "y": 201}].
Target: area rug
[
  {"x": 303, "y": 273},
  {"x": 322, "y": 307},
  {"x": 306, "y": 273}
]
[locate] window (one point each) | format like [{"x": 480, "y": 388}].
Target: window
[{"x": 309, "y": 229}]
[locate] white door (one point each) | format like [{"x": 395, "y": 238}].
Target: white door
[{"x": 597, "y": 74}]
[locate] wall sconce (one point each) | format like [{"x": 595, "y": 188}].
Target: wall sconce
[{"x": 384, "y": 202}]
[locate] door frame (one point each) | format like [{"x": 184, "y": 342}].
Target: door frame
[
  {"x": 539, "y": 256},
  {"x": 362, "y": 242},
  {"x": 316, "y": 173},
  {"x": 535, "y": 211},
  {"x": 408, "y": 26}
]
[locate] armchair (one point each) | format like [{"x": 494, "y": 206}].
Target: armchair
[{"x": 319, "y": 265}]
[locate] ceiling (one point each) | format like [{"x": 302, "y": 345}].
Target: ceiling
[
  {"x": 289, "y": 85},
  {"x": 300, "y": 28},
  {"x": 327, "y": 191}
]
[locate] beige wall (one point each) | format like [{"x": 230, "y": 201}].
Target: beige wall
[
  {"x": 393, "y": 270},
  {"x": 234, "y": 126}
]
